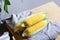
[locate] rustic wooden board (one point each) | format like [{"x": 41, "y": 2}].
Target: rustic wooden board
[{"x": 52, "y": 8}]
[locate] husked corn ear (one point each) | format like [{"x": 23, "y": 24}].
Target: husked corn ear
[
  {"x": 34, "y": 19},
  {"x": 35, "y": 28}
]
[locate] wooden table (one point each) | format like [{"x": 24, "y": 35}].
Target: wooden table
[
  {"x": 10, "y": 27},
  {"x": 58, "y": 37}
]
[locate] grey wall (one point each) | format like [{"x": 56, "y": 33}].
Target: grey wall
[{"x": 20, "y": 5}]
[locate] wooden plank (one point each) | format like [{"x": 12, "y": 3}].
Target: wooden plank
[
  {"x": 51, "y": 8},
  {"x": 58, "y": 37}
]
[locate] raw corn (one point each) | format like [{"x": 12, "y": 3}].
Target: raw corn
[
  {"x": 35, "y": 28},
  {"x": 31, "y": 20}
]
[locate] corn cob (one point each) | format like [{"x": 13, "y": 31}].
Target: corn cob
[
  {"x": 20, "y": 25},
  {"x": 35, "y": 28},
  {"x": 34, "y": 19}
]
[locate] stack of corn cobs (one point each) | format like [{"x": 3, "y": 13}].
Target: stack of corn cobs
[{"x": 32, "y": 24}]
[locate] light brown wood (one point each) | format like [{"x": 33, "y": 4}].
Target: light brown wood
[
  {"x": 58, "y": 37},
  {"x": 51, "y": 8}
]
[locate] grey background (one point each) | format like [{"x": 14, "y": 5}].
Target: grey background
[{"x": 20, "y": 5}]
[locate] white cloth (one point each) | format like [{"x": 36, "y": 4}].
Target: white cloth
[
  {"x": 50, "y": 32},
  {"x": 20, "y": 16},
  {"x": 5, "y": 36}
]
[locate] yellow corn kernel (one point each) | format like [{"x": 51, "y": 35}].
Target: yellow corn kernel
[
  {"x": 35, "y": 28},
  {"x": 34, "y": 19}
]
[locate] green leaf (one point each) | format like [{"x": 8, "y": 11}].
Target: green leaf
[
  {"x": 6, "y": 8},
  {"x": 0, "y": 9},
  {"x": 0, "y": 0},
  {"x": 7, "y": 2}
]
